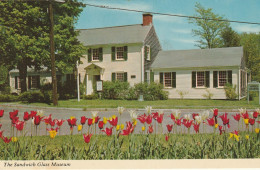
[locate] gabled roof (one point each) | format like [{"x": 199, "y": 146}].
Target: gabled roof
[
  {"x": 199, "y": 58},
  {"x": 114, "y": 35}
]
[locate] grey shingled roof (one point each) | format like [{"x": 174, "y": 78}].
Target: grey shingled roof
[
  {"x": 114, "y": 35},
  {"x": 199, "y": 58}
]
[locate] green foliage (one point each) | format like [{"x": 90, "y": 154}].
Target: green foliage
[
  {"x": 31, "y": 97},
  {"x": 8, "y": 98},
  {"x": 152, "y": 91},
  {"x": 230, "y": 91},
  {"x": 230, "y": 37},
  {"x": 115, "y": 90},
  {"x": 90, "y": 97},
  {"x": 208, "y": 94},
  {"x": 208, "y": 31},
  {"x": 182, "y": 93}
]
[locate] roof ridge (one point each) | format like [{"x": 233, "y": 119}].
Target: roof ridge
[
  {"x": 111, "y": 27},
  {"x": 200, "y": 49}
]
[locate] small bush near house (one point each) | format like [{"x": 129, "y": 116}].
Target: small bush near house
[
  {"x": 8, "y": 98},
  {"x": 115, "y": 90},
  {"x": 230, "y": 91},
  {"x": 208, "y": 94},
  {"x": 31, "y": 97},
  {"x": 182, "y": 93},
  {"x": 152, "y": 91},
  {"x": 90, "y": 97}
]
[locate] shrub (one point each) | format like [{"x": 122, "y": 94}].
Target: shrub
[
  {"x": 8, "y": 98},
  {"x": 208, "y": 94},
  {"x": 90, "y": 97},
  {"x": 182, "y": 93},
  {"x": 230, "y": 91},
  {"x": 115, "y": 90},
  {"x": 31, "y": 97}
]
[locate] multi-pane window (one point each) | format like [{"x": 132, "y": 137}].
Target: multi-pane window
[
  {"x": 120, "y": 76},
  {"x": 17, "y": 82},
  {"x": 119, "y": 53},
  {"x": 34, "y": 82},
  {"x": 167, "y": 79},
  {"x": 95, "y": 56},
  {"x": 222, "y": 78},
  {"x": 147, "y": 52},
  {"x": 200, "y": 78}
]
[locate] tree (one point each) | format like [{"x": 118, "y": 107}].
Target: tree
[
  {"x": 28, "y": 35},
  {"x": 230, "y": 38},
  {"x": 209, "y": 31}
]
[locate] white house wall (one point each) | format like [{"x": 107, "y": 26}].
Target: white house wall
[{"x": 184, "y": 84}]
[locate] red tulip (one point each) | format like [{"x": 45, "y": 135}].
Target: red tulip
[
  {"x": 37, "y": 119},
  {"x": 14, "y": 120},
  {"x": 149, "y": 119},
  {"x": 142, "y": 118},
  {"x": 178, "y": 122},
  {"x": 101, "y": 124},
  {"x": 87, "y": 137},
  {"x": 59, "y": 122},
  {"x": 188, "y": 123},
  {"x": 237, "y": 117},
  {"x": 26, "y": 116},
  {"x": 72, "y": 122},
  {"x": 47, "y": 120},
  {"x": 97, "y": 119},
  {"x": 13, "y": 114},
  {"x": 235, "y": 132},
  {"x": 0, "y": 126},
  {"x": 220, "y": 130},
  {"x": 6, "y": 140},
  {"x": 167, "y": 138},
  {"x": 159, "y": 118},
  {"x": 129, "y": 129},
  {"x": 113, "y": 122},
  {"x": 172, "y": 117},
  {"x": 251, "y": 121},
  {"x": 258, "y": 122},
  {"x": 211, "y": 121},
  {"x": 169, "y": 127},
  {"x": 150, "y": 129},
  {"x": 33, "y": 114},
  {"x": 245, "y": 115},
  {"x": 90, "y": 121},
  {"x": 225, "y": 120},
  {"x": 108, "y": 131},
  {"x": 1, "y": 134},
  {"x": 83, "y": 120},
  {"x": 194, "y": 115},
  {"x": 255, "y": 114},
  {"x": 19, "y": 125},
  {"x": 51, "y": 129},
  {"x": 215, "y": 112},
  {"x": 196, "y": 127},
  {"x": 1, "y": 113},
  {"x": 52, "y": 123},
  {"x": 155, "y": 115}
]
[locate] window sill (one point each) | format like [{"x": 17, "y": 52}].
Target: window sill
[{"x": 201, "y": 87}]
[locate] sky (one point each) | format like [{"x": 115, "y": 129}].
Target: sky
[{"x": 174, "y": 33}]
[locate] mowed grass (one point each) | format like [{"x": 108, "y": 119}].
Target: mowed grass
[{"x": 159, "y": 104}]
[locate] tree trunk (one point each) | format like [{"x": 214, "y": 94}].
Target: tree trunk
[{"x": 22, "y": 67}]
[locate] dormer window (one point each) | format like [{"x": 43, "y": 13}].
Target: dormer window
[{"x": 147, "y": 52}]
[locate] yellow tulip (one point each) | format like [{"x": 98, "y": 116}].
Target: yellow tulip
[
  {"x": 247, "y": 137},
  {"x": 117, "y": 127},
  {"x": 257, "y": 130},
  {"x": 93, "y": 121},
  {"x": 246, "y": 121},
  {"x": 143, "y": 128},
  {"x": 72, "y": 117},
  {"x": 122, "y": 126},
  {"x": 104, "y": 120},
  {"x": 79, "y": 127},
  {"x": 216, "y": 126},
  {"x": 231, "y": 135},
  {"x": 236, "y": 137},
  {"x": 135, "y": 122},
  {"x": 53, "y": 133},
  {"x": 14, "y": 139}
]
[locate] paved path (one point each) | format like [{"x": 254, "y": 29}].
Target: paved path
[{"x": 65, "y": 113}]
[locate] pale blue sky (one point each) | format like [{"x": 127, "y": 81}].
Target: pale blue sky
[{"x": 174, "y": 32}]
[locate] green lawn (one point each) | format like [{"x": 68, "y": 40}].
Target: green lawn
[{"x": 160, "y": 104}]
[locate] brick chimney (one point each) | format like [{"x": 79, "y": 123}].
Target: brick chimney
[{"x": 147, "y": 19}]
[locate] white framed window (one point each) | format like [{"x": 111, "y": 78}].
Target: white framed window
[
  {"x": 222, "y": 78},
  {"x": 200, "y": 79},
  {"x": 167, "y": 79},
  {"x": 95, "y": 54},
  {"x": 120, "y": 76},
  {"x": 119, "y": 53},
  {"x": 147, "y": 52},
  {"x": 34, "y": 82},
  {"x": 17, "y": 82}
]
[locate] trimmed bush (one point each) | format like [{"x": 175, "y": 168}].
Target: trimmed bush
[
  {"x": 152, "y": 91},
  {"x": 31, "y": 97},
  {"x": 115, "y": 90},
  {"x": 8, "y": 98}
]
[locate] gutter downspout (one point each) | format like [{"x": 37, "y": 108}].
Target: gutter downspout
[{"x": 142, "y": 64}]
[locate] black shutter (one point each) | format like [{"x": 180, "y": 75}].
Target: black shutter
[
  {"x": 230, "y": 76},
  {"x": 215, "y": 79},
  {"x": 207, "y": 79},
  {"x": 193, "y": 79},
  {"x": 16, "y": 82},
  {"x": 161, "y": 78},
  {"x": 125, "y": 53},
  {"x": 145, "y": 52},
  {"x": 174, "y": 79},
  {"x": 125, "y": 76},
  {"x": 100, "y": 51},
  {"x": 145, "y": 76},
  {"x": 113, "y": 76},
  {"x": 89, "y": 55},
  {"x": 113, "y": 53},
  {"x": 151, "y": 76},
  {"x": 38, "y": 82},
  {"x": 29, "y": 82}
]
